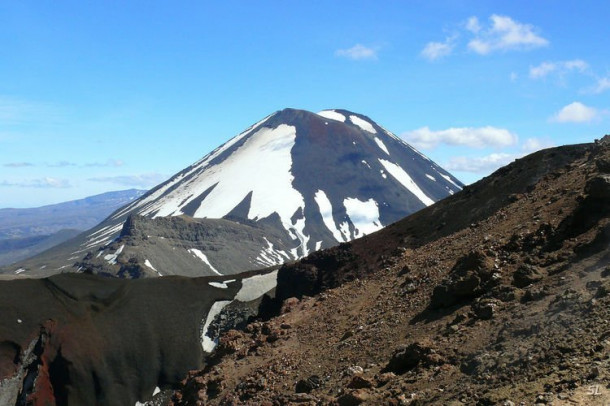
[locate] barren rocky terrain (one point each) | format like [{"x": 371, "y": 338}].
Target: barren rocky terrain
[{"x": 499, "y": 295}]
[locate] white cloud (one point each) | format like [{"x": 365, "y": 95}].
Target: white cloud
[
  {"x": 437, "y": 50},
  {"x": 536, "y": 144},
  {"x": 504, "y": 34},
  {"x": 480, "y": 137},
  {"x": 542, "y": 70},
  {"x": 560, "y": 67},
  {"x": 575, "y": 112},
  {"x": 18, "y": 164},
  {"x": 145, "y": 180},
  {"x": 473, "y": 25},
  {"x": 602, "y": 85},
  {"x": 46, "y": 182},
  {"x": 113, "y": 163},
  {"x": 489, "y": 163},
  {"x": 357, "y": 52},
  {"x": 482, "y": 164}
]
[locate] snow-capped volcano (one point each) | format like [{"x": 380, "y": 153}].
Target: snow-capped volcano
[{"x": 317, "y": 179}]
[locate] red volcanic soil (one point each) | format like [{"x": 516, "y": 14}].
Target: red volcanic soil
[{"x": 495, "y": 296}]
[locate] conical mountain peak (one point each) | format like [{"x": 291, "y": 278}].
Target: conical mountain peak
[{"x": 306, "y": 180}]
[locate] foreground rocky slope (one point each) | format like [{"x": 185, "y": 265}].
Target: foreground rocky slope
[{"x": 495, "y": 296}]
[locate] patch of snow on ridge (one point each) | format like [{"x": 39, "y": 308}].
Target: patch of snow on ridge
[
  {"x": 333, "y": 115},
  {"x": 18, "y": 271},
  {"x": 148, "y": 264},
  {"x": 344, "y": 227},
  {"x": 431, "y": 177},
  {"x": 203, "y": 257},
  {"x": 221, "y": 285},
  {"x": 326, "y": 211},
  {"x": 256, "y": 286},
  {"x": 299, "y": 229},
  {"x": 365, "y": 125},
  {"x": 272, "y": 256},
  {"x": 261, "y": 165},
  {"x": 403, "y": 177},
  {"x": 381, "y": 145},
  {"x": 207, "y": 343},
  {"x": 156, "y": 200},
  {"x": 364, "y": 215},
  {"x": 111, "y": 258},
  {"x": 448, "y": 179}
]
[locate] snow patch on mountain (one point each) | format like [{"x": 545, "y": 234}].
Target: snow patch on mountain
[
  {"x": 332, "y": 115},
  {"x": 261, "y": 166},
  {"x": 381, "y": 145},
  {"x": 403, "y": 177},
  {"x": 363, "y": 215},
  {"x": 256, "y": 286},
  {"x": 207, "y": 343},
  {"x": 204, "y": 258},
  {"x": 365, "y": 125},
  {"x": 148, "y": 264},
  {"x": 271, "y": 256},
  {"x": 448, "y": 179},
  {"x": 111, "y": 258},
  {"x": 326, "y": 211}
]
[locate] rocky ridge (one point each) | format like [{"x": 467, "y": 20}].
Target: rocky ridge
[{"x": 506, "y": 303}]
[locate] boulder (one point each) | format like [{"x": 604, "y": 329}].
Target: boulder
[
  {"x": 470, "y": 277},
  {"x": 598, "y": 187},
  {"x": 406, "y": 358},
  {"x": 526, "y": 274}
]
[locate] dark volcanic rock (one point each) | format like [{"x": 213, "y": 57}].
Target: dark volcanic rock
[
  {"x": 408, "y": 357},
  {"x": 106, "y": 341},
  {"x": 469, "y": 278},
  {"x": 599, "y": 187},
  {"x": 526, "y": 275}
]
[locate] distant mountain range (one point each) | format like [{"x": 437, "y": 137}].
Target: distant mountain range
[
  {"x": 291, "y": 184},
  {"x": 27, "y": 232}
]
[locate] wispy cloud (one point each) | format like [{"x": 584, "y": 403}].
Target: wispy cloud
[
  {"x": 357, "y": 52},
  {"x": 111, "y": 163},
  {"x": 601, "y": 86},
  {"x": 60, "y": 164},
  {"x": 489, "y": 163},
  {"x": 480, "y": 137},
  {"x": 503, "y": 34},
  {"x": 472, "y": 25},
  {"x": 434, "y": 51},
  {"x": 575, "y": 112},
  {"x": 482, "y": 164},
  {"x": 559, "y": 67},
  {"x": 145, "y": 180},
  {"x": 46, "y": 182}
]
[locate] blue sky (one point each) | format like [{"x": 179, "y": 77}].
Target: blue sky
[{"x": 99, "y": 96}]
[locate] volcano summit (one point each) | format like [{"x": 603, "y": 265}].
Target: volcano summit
[{"x": 293, "y": 183}]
